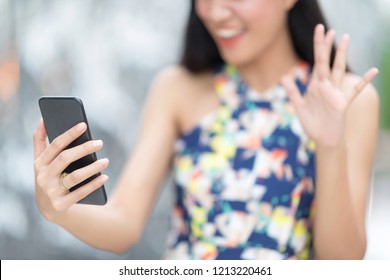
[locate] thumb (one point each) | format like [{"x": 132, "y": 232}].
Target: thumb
[
  {"x": 292, "y": 90},
  {"x": 39, "y": 136}
]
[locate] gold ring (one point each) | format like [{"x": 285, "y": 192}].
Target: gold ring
[{"x": 63, "y": 175}]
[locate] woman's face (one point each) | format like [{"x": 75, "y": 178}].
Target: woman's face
[{"x": 244, "y": 29}]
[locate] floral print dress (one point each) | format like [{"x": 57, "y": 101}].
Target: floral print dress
[{"x": 244, "y": 177}]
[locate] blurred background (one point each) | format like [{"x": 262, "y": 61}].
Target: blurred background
[{"x": 107, "y": 53}]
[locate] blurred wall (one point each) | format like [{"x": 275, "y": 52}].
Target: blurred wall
[{"x": 105, "y": 52}]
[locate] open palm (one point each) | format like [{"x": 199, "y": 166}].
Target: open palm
[{"x": 323, "y": 108}]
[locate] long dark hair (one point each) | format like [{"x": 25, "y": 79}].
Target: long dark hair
[{"x": 201, "y": 53}]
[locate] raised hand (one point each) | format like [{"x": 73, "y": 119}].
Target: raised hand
[{"x": 322, "y": 110}]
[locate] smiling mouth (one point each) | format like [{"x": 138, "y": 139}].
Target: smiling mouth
[{"x": 229, "y": 37}]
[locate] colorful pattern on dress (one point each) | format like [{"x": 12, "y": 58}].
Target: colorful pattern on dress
[{"x": 244, "y": 177}]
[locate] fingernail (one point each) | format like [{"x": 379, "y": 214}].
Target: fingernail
[
  {"x": 97, "y": 143},
  {"x": 81, "y": 126},
  {"x": 105, "y": 161},
  {"x": 104, "y": 178}
]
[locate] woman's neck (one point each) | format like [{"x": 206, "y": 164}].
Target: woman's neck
[{"x": 267, "y": 69}]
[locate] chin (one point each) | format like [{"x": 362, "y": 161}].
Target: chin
[
  {"x": 241, "y": 55},
  {"x": 236, "y": 60}
]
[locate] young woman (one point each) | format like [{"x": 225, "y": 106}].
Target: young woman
[{"x": 271, "y": 139}]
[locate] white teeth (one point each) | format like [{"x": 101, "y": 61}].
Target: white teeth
[{"x": 228, "y": 33}]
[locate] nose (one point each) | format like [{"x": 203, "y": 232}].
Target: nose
[{"x": 219, "y": 11}]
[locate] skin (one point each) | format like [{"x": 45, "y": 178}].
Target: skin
[{"x": 339, "y": 112}]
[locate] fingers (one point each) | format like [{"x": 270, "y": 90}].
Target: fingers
[
  {"x": 62, "y": 141},
  {"x": 322, "y": 50},
  {"x": 52, "y": 159},
  {"x": 364, "y": 81},
  {"x": 329, "y": 41},
  {"x": 58, "y": 204},
  {"x": 76, "y": 195},
  {"x": 340, "y": 62},
  {"x": 68, "y": 156},
  {"x": 292, "y": 90},
  {"x": 53, "y": 199},
  {"x": 84, "y": 173}
]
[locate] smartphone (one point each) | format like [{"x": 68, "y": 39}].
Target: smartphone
[{"x": 59, "y": 115}]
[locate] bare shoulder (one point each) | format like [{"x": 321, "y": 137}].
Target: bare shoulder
[
  {"x": 177, "y": 79},
  {"x": 171, "y": 76},
  {"x": 164, "y": 93},
  {"x": 175, "y": 84},
  {"x": 187, "y": 96}
]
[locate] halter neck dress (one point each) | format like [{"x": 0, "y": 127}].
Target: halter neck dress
[{"x": 244, "y": 177}]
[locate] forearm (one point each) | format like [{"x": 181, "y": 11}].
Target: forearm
[
  {"x": 102, "y": 227},
  {"x": 337, "y": 234}
]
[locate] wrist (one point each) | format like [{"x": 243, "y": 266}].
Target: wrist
[
  {"x": 329, "y": 150},
  {"x": 332, "y": 135},
  {"x": 331, "y": 144}
]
